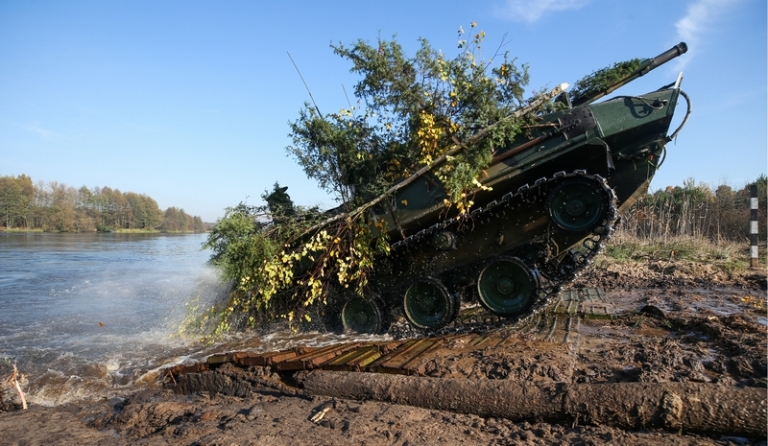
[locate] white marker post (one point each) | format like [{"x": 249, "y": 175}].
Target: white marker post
[{"x": 753, "y": 226}]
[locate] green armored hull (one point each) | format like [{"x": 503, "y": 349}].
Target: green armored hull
[{"x": 547, "y": 207}]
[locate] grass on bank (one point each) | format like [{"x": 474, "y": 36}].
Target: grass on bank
[
  {"x": 727, "y": 255},
  {"x": 2, "y": 229}
]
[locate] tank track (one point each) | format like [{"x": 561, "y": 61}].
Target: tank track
[{"x": 552, "y": 278}]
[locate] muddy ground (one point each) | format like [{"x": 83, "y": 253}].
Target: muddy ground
[{"x": 676, "y": 324}]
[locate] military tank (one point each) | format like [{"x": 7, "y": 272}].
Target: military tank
[{"x": 548, "y": 207}]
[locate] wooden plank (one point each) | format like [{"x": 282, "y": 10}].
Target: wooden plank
[
  {"x": 315, "y": 358},
  {"x": 389, "y": 347},
  {"x": 368, "y": 358},
  {"x": 404, "y": 347},
  {"x": 395, "y": 362},
  {"x": 354, "y": 360},
  {"x": 218, "y": 359},
  {"x": 266, "y": 359},
  {"x": 411, "y": 365},
  {"x": 182, "y": 369},
  {"x": 491, "y": 340},
  {"x": 246, "y": 359},
  {"x": 479, "y": 338}
]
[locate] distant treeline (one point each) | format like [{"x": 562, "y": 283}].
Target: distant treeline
[
  {"x": 697, "y": 210},
  {"x": 57, "y": 207}
]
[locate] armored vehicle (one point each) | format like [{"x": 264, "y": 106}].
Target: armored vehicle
[{"x": 549, "y": 206}]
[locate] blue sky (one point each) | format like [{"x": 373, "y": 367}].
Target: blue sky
[{"x": 189, "y": 102}]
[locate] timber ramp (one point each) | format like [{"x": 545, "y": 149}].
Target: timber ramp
[{"x": 558, "y": 325}]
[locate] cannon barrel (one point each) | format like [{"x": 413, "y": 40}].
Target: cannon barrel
[{"x": 645, "y": 67}]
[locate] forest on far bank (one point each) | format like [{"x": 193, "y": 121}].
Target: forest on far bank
[
  {"x": 54, "y": 206},
  {"x": 693, "y": 209}
]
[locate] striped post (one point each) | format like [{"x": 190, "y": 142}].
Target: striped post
[{"x": 753, "y": 226}]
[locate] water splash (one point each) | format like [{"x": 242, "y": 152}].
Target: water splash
[
  {"x": 85, "y": 315},
  {"x": 94, "y": 317}
]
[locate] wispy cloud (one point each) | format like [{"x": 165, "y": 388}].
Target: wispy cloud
[
  {"x": 700, "y": 19},
  {"x": 37, "y": 129},
  {"x": 532, "y": 10}
]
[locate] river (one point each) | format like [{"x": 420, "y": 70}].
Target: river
[
  {"x": 91, "y": 316},
  {"x": 88, "y": 314}
]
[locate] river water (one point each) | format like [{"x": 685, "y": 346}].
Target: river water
[{"x": 88, "y": 316}]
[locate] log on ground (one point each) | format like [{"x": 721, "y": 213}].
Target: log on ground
[{"x": 690, "y": 407}]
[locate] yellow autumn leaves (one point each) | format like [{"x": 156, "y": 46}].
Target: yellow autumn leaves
[
  {"x": 428, "y": 138},
  {"x": 433, "y": 143},
  {"x": 319, "y": 261},
  {"x": 421, "y": 115}
]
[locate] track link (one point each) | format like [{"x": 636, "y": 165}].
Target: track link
[{"x": 556, "y": 274}]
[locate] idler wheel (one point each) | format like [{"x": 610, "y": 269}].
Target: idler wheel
[
  {"x": 577, "y": 205},
  {"x": 507, "y": 287},
  {"x": 428, "y": 304},
  {"x": 444, "y": 240},
  {"x": 363, "y": 315}
]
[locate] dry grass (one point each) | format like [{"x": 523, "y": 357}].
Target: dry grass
[{"x": 727, "y": 255}]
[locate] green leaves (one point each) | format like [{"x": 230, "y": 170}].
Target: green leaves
[
  {"x": 602, "y": 79},
  {"x": 412, "y": 111}
]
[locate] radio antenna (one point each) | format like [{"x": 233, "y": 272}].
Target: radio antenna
[
  {"x": 347, "y": 96},
  {"x": 305, "y": 85}
]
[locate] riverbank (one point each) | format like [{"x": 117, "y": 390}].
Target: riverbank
[
  {"x": 707, "y": 327},
  {"x": 115, "y": 231}
]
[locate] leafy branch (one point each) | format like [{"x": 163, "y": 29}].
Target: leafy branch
[{"x": 414, "y": 115}]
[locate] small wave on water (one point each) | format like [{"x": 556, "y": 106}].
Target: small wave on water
[
  {"x": 71, "y": 359},
  {"x": 101, "y": 318},
  {"x": 85, "y": 316}
]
